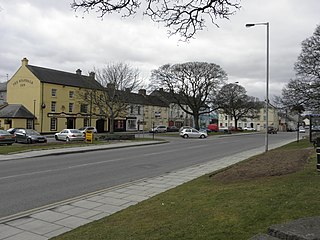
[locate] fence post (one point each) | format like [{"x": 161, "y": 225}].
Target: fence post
[{"x": 318, "y": 153}]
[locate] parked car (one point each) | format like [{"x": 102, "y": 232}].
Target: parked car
[
  {"x": 29, "y": 136},
  {"x": 213, "y": 127},
  {"x": 184, "y": 127},
  {"x": 249, "y": 129},
  {"x": 172, "y": 129},
  {"x": 302, "y": 130},
  {"x": 12, "y": 130},
  {"x": 192, "y": 133},
  {"x": 224, "y": 130},
  {"x": 70, "y": 135},
  {"x": 272, "y": 130},
  {"x": 159, "y": 129},
  {"x": 84, "y": 129},
  {"x": 6, "y": 137}
]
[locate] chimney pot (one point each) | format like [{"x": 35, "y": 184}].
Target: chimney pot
[
  {"x": 25, "y": 61},
  {"x": 78, "y": 71}
]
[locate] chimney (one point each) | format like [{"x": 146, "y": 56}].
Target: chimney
[
  {"x": 92, "y": 75},
  {"x": 78, "y": 72},
  {"x": 142, "y": 92},
  {"x": 25, "y": 61}
]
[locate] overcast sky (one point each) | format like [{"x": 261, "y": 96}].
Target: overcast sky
[{"x": 50, "y": 34}]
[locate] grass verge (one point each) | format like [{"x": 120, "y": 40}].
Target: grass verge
[
  {"x": 18, "y": 148},
  {"x": 208, "y": 208}
]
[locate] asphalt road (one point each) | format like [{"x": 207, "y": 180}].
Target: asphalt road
[{"x": 29, "y": 183}]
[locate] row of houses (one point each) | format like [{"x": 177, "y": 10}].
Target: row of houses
[{"x": 48, "y": 101}]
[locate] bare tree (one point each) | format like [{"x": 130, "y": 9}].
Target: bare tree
[
  {"x": 193, "y": 85},
  {"x": 234, "y": 101},
  {"x": 118, "y": 80},
  {"x": 304, "y": 89},
  {"x": 184, "y": 17}
]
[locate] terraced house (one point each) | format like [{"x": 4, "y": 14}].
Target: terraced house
[{"x": 49, "y": 100}]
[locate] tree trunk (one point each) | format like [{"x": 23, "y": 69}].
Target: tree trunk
[
  {"x": 111, "y": 122},
  {"x": 196, "y": 120}
]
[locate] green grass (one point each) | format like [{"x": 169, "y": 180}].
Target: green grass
[
  {"x": 208, "y": 209},
  {"x": 18, "y": 148}
]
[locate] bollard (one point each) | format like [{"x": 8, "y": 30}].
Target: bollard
[{"x": 318, "y": 153}]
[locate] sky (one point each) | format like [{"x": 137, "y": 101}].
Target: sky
[{"x": 52, "y": 35}]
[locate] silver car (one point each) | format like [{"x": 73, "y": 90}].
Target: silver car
[
  {"x": 70, "y": 135},
  {"x": 29, "y": 136},
  {"x": 192, "y": 133}
]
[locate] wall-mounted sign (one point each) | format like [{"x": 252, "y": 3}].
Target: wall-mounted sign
[{"x": 22, "y": 82}]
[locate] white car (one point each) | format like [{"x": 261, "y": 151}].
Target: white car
[
  {"x": 192, "y": 133},
  {"x": 302, "y": 130},
  {"x": 249, "y": 129},
  {"x": 158, "y": 129},
  {"x": 84, "y": 129},
  {"x": 70, "y": 135}
]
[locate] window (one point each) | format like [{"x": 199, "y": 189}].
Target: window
[
  {"x": 226, "y": 117},
  {"x": 84, "y": 108},
  {"x": 86, "y": 122},
  {"x": 53, "y": 92},
  {"x": 53, "y": 106},
  {"x": 139, "y": 110},
  {"x": 132, "y": 124},
  {"x": 71, "y": 94},
  {"x": 53, "y": 124},
  {"x": 131, "y": 109},
  {"x": 30, "y": 123},
  {"x": 70, "y": 107}
]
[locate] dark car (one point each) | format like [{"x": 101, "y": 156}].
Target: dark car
[
  {"x": 172, "y": 129},
  {"x": 29, "y": 136},
  {"x": 6, "y": 138},
  {"x": 272, "y": 130}
]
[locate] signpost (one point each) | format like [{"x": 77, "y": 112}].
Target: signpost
[{"x": 89, "y": 136}]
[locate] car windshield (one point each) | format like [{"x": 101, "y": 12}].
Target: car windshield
[{"x": 32, "y": 132}]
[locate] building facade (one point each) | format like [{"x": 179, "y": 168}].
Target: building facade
[
  {"x": 51, "y": 96},
  {"x": 258, "y": 123}
]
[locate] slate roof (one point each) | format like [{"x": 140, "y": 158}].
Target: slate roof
[
  {"x": 47, "y": 75},
  {"x": 15, "y": 111},
  {"x": 137, "y": 98}
]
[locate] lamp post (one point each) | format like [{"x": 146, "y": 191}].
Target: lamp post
[{"x": 267, "y": 79}]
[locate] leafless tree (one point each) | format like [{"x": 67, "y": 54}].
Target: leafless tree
[
  {"x": 234, "y": 101},
  {"x": 118, "y": 80},
  {"x": 192, "y": 84},
  {"x": 184, "y": 17},
  {"x": 304, "y": 89}
]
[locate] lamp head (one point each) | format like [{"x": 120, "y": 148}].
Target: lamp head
[{"x": 250, "y": 24}]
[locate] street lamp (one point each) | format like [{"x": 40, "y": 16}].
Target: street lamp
[{"x": 267, "y": 79}]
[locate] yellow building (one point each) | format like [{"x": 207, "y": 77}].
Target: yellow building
[{"x": 51, "y": 100}]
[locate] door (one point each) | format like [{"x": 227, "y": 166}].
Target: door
[{"x": 71, "y": 123}]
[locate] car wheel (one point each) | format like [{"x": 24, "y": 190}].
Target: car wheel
[
  {"x": 156, "y": 131},
  {"x": 67, "y": 139},
  {"x": 29, "y": 141},
  {"x": 56, "y": 137},
  {"x": 202, "y": 136},
  {"x": 9, "y": 144},
  {"x": 185, "y": 136}
]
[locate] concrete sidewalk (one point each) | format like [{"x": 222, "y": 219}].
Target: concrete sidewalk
[{"x": 49, "y": 221}]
